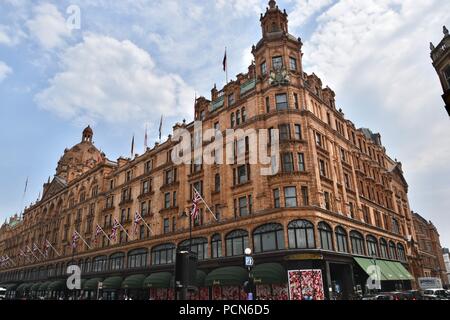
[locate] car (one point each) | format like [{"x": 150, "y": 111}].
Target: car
[
  {"x": 380, "y": 296},
  {"x": 412, "y": 295},
  {"x": 435, "y": 294},
  {"x": 2, "y": 293}
]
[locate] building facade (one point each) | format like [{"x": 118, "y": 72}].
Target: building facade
[
  {"x": 338, "y": 204},
  {"x": 440, "y": 55},
  {"x": 446, "y": 257},
  {"x": 430, "y": 250}
]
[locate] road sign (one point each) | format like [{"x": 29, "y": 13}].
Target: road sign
[{"x": 249, "y": 261}]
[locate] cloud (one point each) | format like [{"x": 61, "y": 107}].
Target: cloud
[
  {"x": 304, "y": 10},
  {"x": 104, "y": 79},
  {"x": 5, "y": 70},
  {"x": 239, "y": 7},
  {"x": 48, "y": 26}
]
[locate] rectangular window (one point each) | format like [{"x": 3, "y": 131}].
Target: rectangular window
[
  {"x": 263, "y": 68},
  {"x": 128, "y": 176},
  {"x": 231, "y": 99},
  {"x": 301, "y": 162},
  {"x": 243, "y": 207},
  {"x": 144, "y": 209},
  {"x": 322, "y": 168},
  {"x": 296, "y": 101},
  {"x": 285, "y": 132},
  {"x": 327, "y": 200},
  {"x": 288, "y": 163},
  {"x": 244, "y": 115},
  {"x": 267, "y": 104},
  {"x": 166, "y": 226},
  {"x": 242, "y": 174},
  {"x": 167, "y": 200},
  {"x": 290, "y": 197},
  {"x": 277, "y": 62},
  {"x": 343, "y": 157},
  {"x": 281, "y": 101},
  {"x": 298, "y": 132},
  {"x": 232, "y": 120},
  {"x": 145, "y": 187},
  {"x": 319, "y": 139},
  {"x": 148, "y": 166},
  {"x": 293, "y": 64},
  {"x": 305, "y": 196},
  {"x": 347, "y": 181},
  {"x": 174, "y": 198},
  {"x": 276, "y": 198}
]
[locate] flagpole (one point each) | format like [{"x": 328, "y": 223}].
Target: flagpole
[
  {"x": 82, "y": 239},
  {"x": 39, "y": 250},
  {"x": 203, "y": 200},
  {"x": 123, "y": 229},
  {"x": 226, "y": 67},
  {"x": 105, "y": 234},
  {"x": 190, "y": 231},
  {"x": 48, "y": 242}
]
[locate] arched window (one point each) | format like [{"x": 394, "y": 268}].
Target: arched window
[
  {"x": 163, "y": 254},
  {"x": 384, "y": 249},
  {"x": 199, "y": 246},
  {"x": 236, "y": 242},
  {"x": 301, "y": 235},
  {"x": 326, "y": 236},
  {"x": 99, "y": 264},
  {"x": 372, "y": 246},
  {"x": 216, "y": 246},
  {"x": 392, "y": 251},
  {"x": 137, "y": 258},
  {"x": 401, "y": 252},
  {"x": 269, "y": 237},
  {"x": 341, "y": 240},
  {"x": 116, "y": 261},
  {"x": 357, "y": 241}
]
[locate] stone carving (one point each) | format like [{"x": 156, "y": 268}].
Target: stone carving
[{"x": 279, "y": 77}]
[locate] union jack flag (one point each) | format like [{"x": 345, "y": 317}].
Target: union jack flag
[
  {"x": 35, "y": 247},
  {"x": 136, "y": 222},
  {"x": 195, "y": 205},
  {"x": 116, "y": 226},
  {"x": 46, "y": 246},
  {"x": 75, "y": 238},
  {"x": 98, "y": 231}
]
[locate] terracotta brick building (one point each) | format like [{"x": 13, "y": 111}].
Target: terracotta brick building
[
  {"x": 338, "y": 204},
  {"x": 440, "y": 55},
  {"x": 430, "y": 250}
]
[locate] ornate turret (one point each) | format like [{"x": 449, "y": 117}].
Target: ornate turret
[
  {"x": 274, "y": 20},
  {"x": 87, "y": 135},
  {"x": 440, "y": 55}
]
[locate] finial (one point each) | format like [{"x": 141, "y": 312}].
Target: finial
[
  {"x": 272, "y": 4},
  {"x": 445, "y": 31},
  {"x": 432, "y": 47}
]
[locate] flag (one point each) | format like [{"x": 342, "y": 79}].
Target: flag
[
  {"x": 145, "y": 139},
  {"x": 46, "y": 247},
  {"x": 160, "y": 127},
  {"x": 225, "y": 61},
  {"x": 35, "y": 247},
  {"x": 116, "y": 226},
  {"x": 98, "y": 231},
  {"x": 195, "y": 205},
  {"x": 75, "y": 238},
  {"x": 28, "y": 249},
  {"x": 132, "y": 147},
  {"x": 136, "y": 222}
]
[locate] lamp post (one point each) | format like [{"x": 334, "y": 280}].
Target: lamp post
[
  {"x": 249, "y": 262},
  {"x": 374, "y": 260}
]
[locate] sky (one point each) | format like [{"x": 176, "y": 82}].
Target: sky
[{"x": 119, "y": 65}]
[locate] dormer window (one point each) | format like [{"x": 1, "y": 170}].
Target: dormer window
[
  {"x": 231, "y": 99},
  {"x": 128, "y": 176},
  {"x": 277, "y": 63}
]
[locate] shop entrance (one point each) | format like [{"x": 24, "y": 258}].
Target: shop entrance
[{"x": 341, "y": 281}]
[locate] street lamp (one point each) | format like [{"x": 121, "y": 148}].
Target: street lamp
[{"x": 249, "y": 262}]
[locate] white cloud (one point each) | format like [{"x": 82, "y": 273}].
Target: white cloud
[
  {"x": 239, "y": 7},
  {"x": 48, "y": 26},
  {"x": 304, "y": 10},
  {"x": 5, "y": 70},
  {"x": 103, "y": 79}
]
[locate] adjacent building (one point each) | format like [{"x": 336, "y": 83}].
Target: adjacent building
[
  {"x": 430, "y": 250},
  {"x": 446, "y": 257},
  {"x": 337, "y": 205},
  {"x": 440, "y": 55}
]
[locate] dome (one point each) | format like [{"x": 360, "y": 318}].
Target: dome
[{"x": 80, "y": 158}]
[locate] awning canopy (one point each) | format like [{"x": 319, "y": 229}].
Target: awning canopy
[
  {"x": 227, "y": 276},
  {"x": 36, "y": 286},
  {"x": 112, "y": 283},
  {"x": 24, "y": 287},
  {"x": 158, "y": 280},
  {"x": 390, "y": 270},
  {"x": 91, "y": 284},
  {"x": 198, "y": 282},
  {"x": 44, "y": 286},
  {"x": 135, "y": 281},
  {"x": 269, "y": 273},
  {"x": 9, "y": 286},
  {"x": 58, "y": 285}
]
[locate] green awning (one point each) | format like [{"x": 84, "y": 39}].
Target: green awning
[
  {"x": 24, "y": 287},
  {"x": 82, "y": 282},
  {"x": 199, "y": 279},
  {"x": 135, "y": 281},
  {"x": 36, "y": 286},
  {"x": 158, "y": 280},
  {"x": 227, "y": 276},
  {"x": 386, "y": 270},
  {"x": 368, "y": 264},
  {"x": 58, "y": 285},
  {"x": 91, "y": 284},
  {"x": 270, "y": 273},
  {"x": 9, "y": 286},
  {"x": 112, "y": 283},
  {"x": 44, "y": 286},
  {"x": 404, "y": 274}
]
